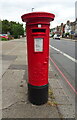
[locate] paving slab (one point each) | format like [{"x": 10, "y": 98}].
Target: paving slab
[
  {"x": 15, "y": 98},
  {"x": 27, "y": 110},
  {"x": 12, "y": 91},
  {"x": 64, "y": 103}
]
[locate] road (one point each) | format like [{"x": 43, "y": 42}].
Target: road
[{"x": 62, "y": 52}]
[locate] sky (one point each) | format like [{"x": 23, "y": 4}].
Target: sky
[{"x": 64, "y": 10}]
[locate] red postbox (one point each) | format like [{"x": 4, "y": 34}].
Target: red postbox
[{"x": 37, "y": 28}]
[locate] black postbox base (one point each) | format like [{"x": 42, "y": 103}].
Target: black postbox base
[{"x": 38, "y": 95}]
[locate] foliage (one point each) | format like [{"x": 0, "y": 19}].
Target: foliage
[
  {"x": 4, "y": 39},
  {"x": 67, "y": 34},
  {"x": 15, "y": 29}
]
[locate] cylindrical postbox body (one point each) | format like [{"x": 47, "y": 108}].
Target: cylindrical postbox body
[{"x": 37, "y": 28}]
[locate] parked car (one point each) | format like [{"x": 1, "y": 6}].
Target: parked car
[
  {"x": 4, "y": 36},
  {"x": 56, "y": 36}
]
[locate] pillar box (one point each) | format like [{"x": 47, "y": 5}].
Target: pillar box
[{"x": 37, "y": 31}]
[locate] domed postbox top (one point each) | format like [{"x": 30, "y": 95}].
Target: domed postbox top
[{"x": 34, "y": 16}]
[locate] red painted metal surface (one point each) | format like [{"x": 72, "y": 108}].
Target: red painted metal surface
[{"x": 38, "y": 61}]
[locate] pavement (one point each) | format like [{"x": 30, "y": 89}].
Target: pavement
[
  {"x": 74, "y": 40},
  {"x": 14, "y": 92}
]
